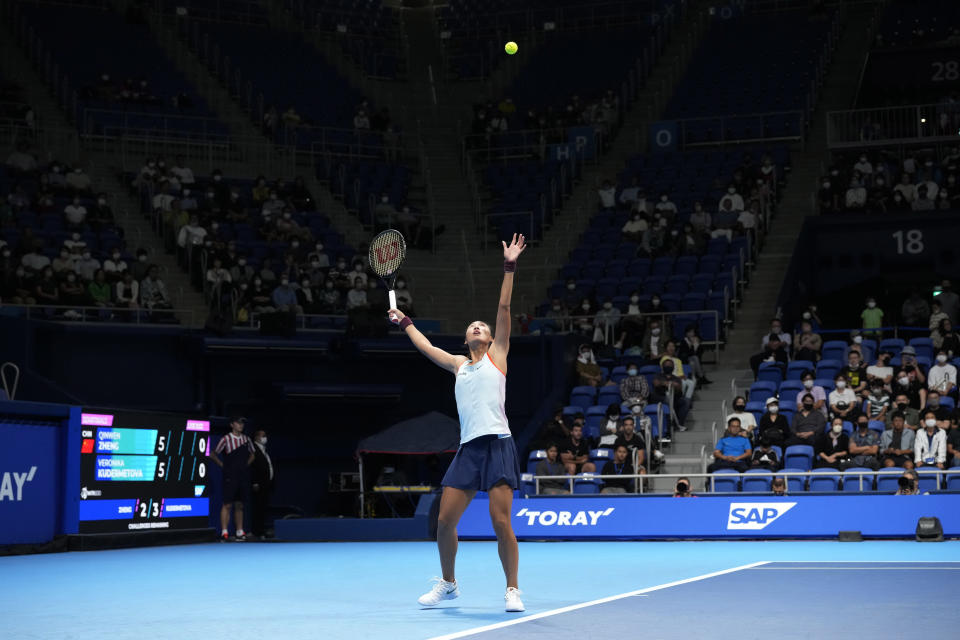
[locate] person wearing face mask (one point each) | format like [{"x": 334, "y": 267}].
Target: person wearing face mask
[
  {"x": 774, "y": 351},
  {"x": 634, "y": 389},
  {"x": 945, "y": 338},
  {"x": 827, "y": 197},
  {"x": 307, "y": 297},
  {"x": 842, "y": 400},
  {"x": 855, "y": 373},
  {"x": 285, "y": 298},
  {"x": 764, "y": 456},
  {"x": 609, "y": 426},
  {"x": 262, "y": 479},
  {"x": 881, "y": 372},
  {"x": 241, "y": 271},
  {"x": 631, "y": 324},
  {"x": 587, "y": 368},
  {"x": 571, "y": 296},
  {"x": 864, "y": 447},
  {"x": 901, "y": 404},
  {"x": 404, "y": 297},
  {"x": 667, "y": 384},
  {"x": 773, "y": 425},
  {"x": 815, "y": 390},
  {"x": 807, "y": 344},
  {"x": 896, "y": 444},
  {"x": 71, "y": 290},
  {"x": 583, "y": 319},
  {"x": 330, "y": 298},
  {"x": 832, "y": 448},
  {"x": 652, "y": 240},
  {"x": 634, "y": 227},
  {"x": 747, "y": 420},
  {"x": 808, "y": 423},
  {"x": 153, "y": 291},
  {"x": 654, "y": 343},
  {"x": 878, "y": 401},
  {"x": 908, "y": 383},
  {"x": 605, "y": 323},
  {"x": 942, "y": 376},
  {"x": 872, "y": 318},
  {"x": 930, "y": 445}
]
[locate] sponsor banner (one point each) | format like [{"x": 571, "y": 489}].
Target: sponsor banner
[
  {"x": 29, "y": 483},
  {"x": 795, "y": 516}
]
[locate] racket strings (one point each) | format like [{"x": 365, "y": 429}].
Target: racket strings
[{"x": 387, "y": 253}]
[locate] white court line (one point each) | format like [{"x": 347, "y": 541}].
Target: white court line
[
  {"x": 582, "y": 605},
  {"x": 857, "y": 568}
]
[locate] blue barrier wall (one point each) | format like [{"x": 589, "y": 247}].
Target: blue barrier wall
[{"x": 744, "y": 516}]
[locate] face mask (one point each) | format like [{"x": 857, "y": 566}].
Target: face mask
[
  {"x": 901, "y": 406},
  {"x": 808, "y": 384},
  {"x": 329, "y": 285},
  {"x": 930, "y": 422},
  {"x": 585, "y": 307},
  {"x": 284, "y": 282},
  {"x": 871, "y": 304},
  {"x": 933, "y": 403},
  {"x": 808, "y": 406},
  {"x": 655, "y": 302},
  {"x": 663, "y": 198},
  {"x": 116, "y": 256},
  {"x": 556, "y": 307},
  {"x": 634, "y": 299},
  {"x": 668, "y": 370},
  {"x": 631, "y": 372},
  {"x": 731, "y": 191},
  {"x": 806, "y": 315},
  {"x": 739, "y": 407},
  {"x": 262, "y": 441},
  {"x": 857, "y": 339},
  {"x": 341, "y": 265},
  {"x": 305, "y": 284},
  {"x": 655, "y": 332},
  {"x": 241, "y": 262},
  {"x": 841, "y": 384},
  {"x": 941, "y": 358},
  {"x": 904, "y": 381},
  {"x": 243, "y": 286},
  {"x": 71, "y": 278},
  {"x": 837, "y": 429},
  {"x": 826, "y": 185},
  {"x": 773, "y": 409},
  {"x": 571, "y": 287},
  {"x": 216, "y": 178},
  {"x": 608, "y": 305}
]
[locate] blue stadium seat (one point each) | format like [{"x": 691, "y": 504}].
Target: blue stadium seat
[
  {"x": 535, "y": 457},
  {"x": 571, "y": 410},
  {"x": 893, "y": 345},
  {"x": 764, "y": 388},
  {"x": 929, "y": 479},
  {"x": 828, "y": 368},
  {"x": 788, "y": 391},
  {"x": 725, "y": 480},
  {"x": 796, "y": 368},
  {"x": 826, "y": 383},
  {"x": 771, "y": 372},
  {"x": 618, "y": 373},
  {"x": 593, "y": 418},
  {"x": 798, "y": 456},
  {"x": 887, "y": 479},
  {"x": 947, "y": 403},
  {"x": 659, "y": 415},
  {"x": 583, "y": 396},
  {"x": 528, "y": 485},
  {"x": 585, "y": 483},
  {"x": 878, "y": 425},
  {"x": 923, "y": 347},
  {"x": 953, "y": 481},
  {"x": 824, "y": 480},
  {"x": 795, "y": 484},
  {"x": 600, "y": 457},
  {"x": 757, "y": 480},
  {"x": 609, "y": 395},
  {"x": 852, "y": 482},
  {"x": 833, "y": 350}
]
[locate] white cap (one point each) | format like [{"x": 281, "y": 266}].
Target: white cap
[{"x": 771, "y": 400}]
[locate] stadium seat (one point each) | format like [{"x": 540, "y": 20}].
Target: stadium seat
[
  {"x": 659, "y": 415},
  {"x": 852, "y": 480},
  {"x": 796, "y": 368},
  {"x": 953, "y": 481},
  {"x": 528, "y": 486},
  {"x": 770, "y": 371},
  {"x": 929, "y": 479},
  {"x": 725, "y": 480},
  {"x": 788, "y": 392},
  {"x": 761, "y": 390},
  {"x": 829, "y": 368},
  {"x": 893, "y": 345},
  {"x": 600, "y": 457},
  {"x": 593, "y": 418},
  {"x": 947, "y": 403},
  {"x": 795, "y": 484},
  {"x": 757, "y": 480},
  {"x": 798, "y": 456},
  {"x": 618, "y": 373},
  {"x": 887, "y": 479},
  {"x": 833, "y": 350},
  {"x": 586, "y": 483},
  {"x": 571, "y": 410},
  {"x": 923, "y": 347},
  {"x": 535, "y": 457},
  {"x": 824, "y": 480},
  {"x": 609, "y": 395},
  {"x": 583, "y": 396},
  {"x": 878, "y": 425}
]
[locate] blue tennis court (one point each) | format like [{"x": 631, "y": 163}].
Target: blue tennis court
[{"x": 571, "y": 589}]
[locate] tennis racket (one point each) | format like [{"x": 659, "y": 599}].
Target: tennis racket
[{"x": 387, "y": 252}]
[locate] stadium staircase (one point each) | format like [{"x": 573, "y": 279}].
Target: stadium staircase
[
  {"x": 60, "y": 141},
  {"x": 758, "y": 303}
]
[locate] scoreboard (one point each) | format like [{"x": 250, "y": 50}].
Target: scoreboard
[{"x": 143, "y": 471}]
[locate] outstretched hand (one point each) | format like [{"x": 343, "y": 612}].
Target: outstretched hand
[
  {"x": 395, "y": 316},
  {"x": 516, "y": 247}
]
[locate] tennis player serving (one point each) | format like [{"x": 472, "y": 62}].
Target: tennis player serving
[{"x": 487, "y": 458}]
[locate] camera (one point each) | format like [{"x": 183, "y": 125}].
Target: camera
[
  {"x": 682, "y": 487},
  {"x": 905, "y": 483}
]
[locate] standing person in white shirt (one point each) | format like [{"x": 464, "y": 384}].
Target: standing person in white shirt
[
  {"x": 487, "y": 458},
  {"x": 930, "y": 445},
  {"x": 942, "y": 376},
  {"x": 608, "y": 196}
]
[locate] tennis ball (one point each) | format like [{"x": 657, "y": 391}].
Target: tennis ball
[{"x": 510, "y": 47}]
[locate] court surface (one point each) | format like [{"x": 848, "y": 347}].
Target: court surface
[{"x": 577, "y": 590}]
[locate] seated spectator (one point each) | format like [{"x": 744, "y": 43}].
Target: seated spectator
[
  {"x": 911, "y": 416},
  {"x": 896, "y": 444},
  {"x": 654, "y": 239},
  {"x": 778, "y": 487},
  {"x": 634, "y": 443},
  {"x": 667, "y": 385},
  {"x": 55, "y": 179},
  {"x": 587, "y": 368},
  {"x": 816, "y": 391},
  {"x": 191, "y": 234},
  {"x": 607, "y": 194},
  {"x": 930, "y": 445},
  {"x": 915, "y": 312},
  {"x": 946, "y": 338},
  {"x": 882, "y": 370},
  {"x": 619, "y": 466},
  {"x": 72, "y": 291},
  {"x": 953, "y": 443},
  {"x": 732, "y": 451},
  {"x": 218, "y": 277},
  {"x": 773, "y": 425},
  {"x": 183, "y": 173},
  {"x": 46, "y": 290},
  {"x": 552, "y": 467},
  {"x": 357, "y": 297},
  {"x": 855, "y": 372},
  {"x": 75, "y": 213},
  {"x": 864, "y": 446},
  {"x": 732, "y": 200},
  {"x": 553, "y": 430},
  {"x": 666, "y": 207},
  {"x": 583, "y": 319},
  {"x": 933, "y": 404},
  {"x": 404, "y": 298},
  {"x": 64, "y": 262},
  {"x": 610, "y": 426},
  {"x": 77, "y": 181},
  {"x": 856, "y": 196},
  {"x": 605, "y": 323},
  {"x": 878, "y": 400},
  {"x": 308, "y": 298},
  {"x": 832, "y": 448},
  {"x": 807, "y": 344},
  {"x": 747, "y": 420},
  {"x": 87, "y": 266},
  {"x": 910, "y": 382},
  {"x": 668, "y": 358},
  {"x": 700, "y": 220},
  {"x": 21, "y": 160},
  {"x": 630, "y": 194},
  {"x": 774, "y": 347},
  {"x": 634, "y": 228},
  {"x": 285, "y": 298},
  {"x": 127, "y": 291},
  {"x": 574, "y": 452},
  {"x": 842, "y": 400},
  {"x": 633, "y": 388},
  {"x": 690, "y": 351},
  {"x": 153, "y": 292},
  {"x": 942, "y": 376},
  {"x": 765, "y": 457},
  {"x": 330, "y": 301},
  {"x": 101, "y": 215},
  {"x": 808, "y": 423},
  {"x": 908, "y": 484},
  {"x": 682, "y": 488},
  {"x": 925, "y": 199},
  {"x": 242, "y": 271},
  {"x": 98, "y": 290},
  {"x": 258, "y": 297}
]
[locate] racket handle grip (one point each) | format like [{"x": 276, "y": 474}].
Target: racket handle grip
[{"x": 393, "y": 299}]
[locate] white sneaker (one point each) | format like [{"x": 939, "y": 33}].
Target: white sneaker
[
  {"x": 442, "y": 590},
  {"x": 513, "y": 601}
]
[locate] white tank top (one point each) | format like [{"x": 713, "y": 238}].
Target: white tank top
[{"x": 480, "y": 392}]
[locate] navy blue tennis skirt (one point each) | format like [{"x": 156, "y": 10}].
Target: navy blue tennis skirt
[{"x": 483, "y": 462}]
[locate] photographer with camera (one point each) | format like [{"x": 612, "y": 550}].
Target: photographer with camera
[
  {"x": 908, "y": 484},
  {"x": 682, "y": 489}
]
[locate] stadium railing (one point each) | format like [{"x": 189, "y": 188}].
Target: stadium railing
[
  {"x": 728, "y": 129},
  {"x": 912, "y": 124},
  {"x": 85, "y": 314}
]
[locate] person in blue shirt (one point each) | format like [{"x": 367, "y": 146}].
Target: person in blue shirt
[
  {"x": 732, "y": 451},
  {"x": 285, "y": 298}
]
